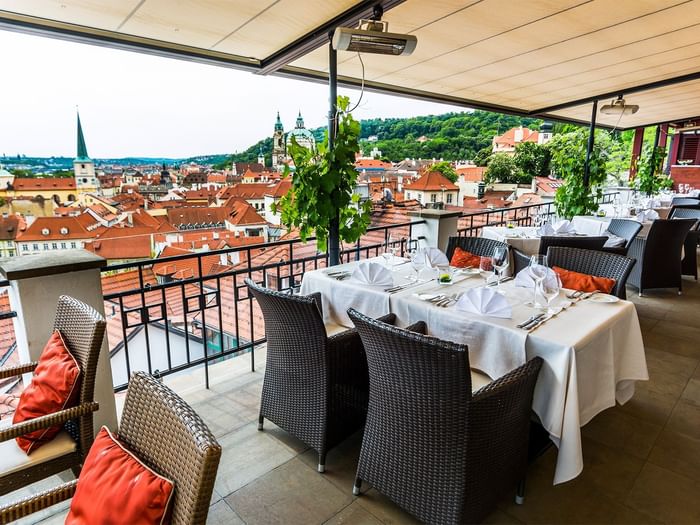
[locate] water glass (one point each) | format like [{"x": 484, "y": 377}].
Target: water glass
[
  {"x": 550, "y": 288},
  {"x": 500, "y": 261},
  {"x": 538, "y": 269},
  {"x": 417, "y": 263},
  {"x": 486, "y": 267}
]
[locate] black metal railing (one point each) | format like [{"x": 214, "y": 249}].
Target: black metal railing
[
  {"x": 171, "y": 314},
  {"x": 472, "y": 223}
]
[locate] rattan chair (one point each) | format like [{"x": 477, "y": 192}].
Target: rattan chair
[
  {"x": 476, "y": 245},
  {"x": 689, "y": 263},
  {"x": 441, "y": 452},
  {"x": 315, "y": 386},
  {"x": 685, "y": 201},
  {"x": 579, "y": 241},
  {"x": 83, "y": 329},
  {"x": 626, "y": 229},
  {"x": 600, "y": 264},
  {"x": 166, "y": 435},
  {"x": 521, "y": 260},
  {"x": 659, "y": 255}
]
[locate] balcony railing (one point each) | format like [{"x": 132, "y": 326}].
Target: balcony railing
[
  {"x": 171, "y": 314},
  {"x": 471, "y": 224}
]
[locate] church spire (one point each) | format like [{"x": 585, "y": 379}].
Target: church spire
[
  {"x": 278, "y": 123},
  {"x": 82, "y": 148},
  {"x": 300, "y": 120}
]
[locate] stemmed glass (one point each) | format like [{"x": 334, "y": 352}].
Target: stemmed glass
[
  {"x": 538, "y": 270},
  {"x": 500, "y": 263},
  {"x": 550, "y": 288},
  {"x": 417, "y": 262},
  {"x": 388, "y": 252},
  {"x": 486, "y": 267}
]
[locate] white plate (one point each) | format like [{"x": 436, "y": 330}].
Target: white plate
[
  {"x": 467, "y": 271},
  {"x": 427, "y": 296},
  {"x": 603, "y": 298}
]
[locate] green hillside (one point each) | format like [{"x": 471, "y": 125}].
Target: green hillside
[{"x": 451, "y": 136}]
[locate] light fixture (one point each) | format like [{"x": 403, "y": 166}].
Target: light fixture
[
  {"x": 372, "y": 36},
  {"x": 619, "y": 107}
]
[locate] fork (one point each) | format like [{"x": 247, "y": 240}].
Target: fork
[{"x": 446, "y": 300}]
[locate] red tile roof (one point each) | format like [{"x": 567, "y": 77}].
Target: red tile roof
[
  {"x": 472, "y": 173},
  {"x": 371, "y": 164},
  {"x": 197, "y": 215},
  {"x": 243, "y": 213},
  {"x": 134, "y": 247},
  {"x": 29, "y": 184},
  {"x": 508, "y": 138},
  {"x": 431, "y": 181},
  {"x": 11, "y": 226},
  {"x": 55, "y": 228}
]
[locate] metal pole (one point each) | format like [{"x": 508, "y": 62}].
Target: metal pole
[
  {"x": 589, "y": 147},
  {"x": 334, "y": 227}
]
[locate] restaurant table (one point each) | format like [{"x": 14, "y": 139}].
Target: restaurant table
[
  {"x": 522, "y": 238},
  {"x": 593, "y": 353},
  {"x": 594, "y": 225}
]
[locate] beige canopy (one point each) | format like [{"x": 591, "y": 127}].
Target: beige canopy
[{"x": 538, "y": 57}]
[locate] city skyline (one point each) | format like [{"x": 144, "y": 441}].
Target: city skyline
[{"x": 137, "y": 105}]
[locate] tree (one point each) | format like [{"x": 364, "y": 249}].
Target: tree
[
  {"x": 650, "y": 179},
  {"x": 446, "y": 169},
  {"x": 532, "y": 159},
  {"x": 323, "y": 184},
  {"x": 483, "y": 156},
  {"x": 568, "y": 151},
  {"x": 502, "y": 168}
]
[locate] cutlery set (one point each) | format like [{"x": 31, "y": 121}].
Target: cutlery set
[{"x": 444, "y": 300}]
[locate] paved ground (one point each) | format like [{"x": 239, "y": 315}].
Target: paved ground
[{"x": 642, "y": 460}]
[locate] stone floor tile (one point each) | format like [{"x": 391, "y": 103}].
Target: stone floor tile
[
  {"x": 628, "y": 516},
  {"x": 248, "y": 454},
  {"x": 685, "y": 419},
  {"x": 621, "y": 431},
  {"x": 691, "y": 394},
  {"x": 290, "y": 494},
  {"x": 385, "y": 509},
  {"x": 283, "y": 436},
  {"x": 221, "y": 514},
  {"x": 341, "y": 462},
  {"x": 660, "y": 360},
  {"x": 665, "y": 496},
  {"x": 354, "y": 514},
  {"x": 650, "y": 406},
  {"x": 499, "y": 517},
  {"x": 678, "y": 453},
  {"x": 611, "y": 470}
]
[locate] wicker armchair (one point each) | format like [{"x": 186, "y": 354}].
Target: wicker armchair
[
  {"x": 601, "y": 264},
  {"x": 685, "y": 201},
  {"x": 476, "y": 245},
  {"x": 166, "y": 435},
  {"x": 83, "y": 329},
  {"x": 659, "y": 255},
  {"x": 315, "y": 386},
  {"x": 689, "y": 263},
  {"x": 440, "y": 452},
  {"x": 578, "y": 241},
  {"x": 625, "y": 228}
]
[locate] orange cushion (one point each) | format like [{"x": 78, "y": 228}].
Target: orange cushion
[
  {"x": 55, "y": 386},
  {"x": 584, "y": 282},
  {"x": 462, "y": 259},
  {"x": 115, "y": 488}
]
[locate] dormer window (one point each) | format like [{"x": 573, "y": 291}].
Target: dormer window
[
  {"x": 64, "y": 231},
  {"x": 45, "y": 231}
]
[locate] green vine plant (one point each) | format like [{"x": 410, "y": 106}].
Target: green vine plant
[
  {"x": 568, "y": 159},
  {"x": 650, "y": 179},
  {"x": 323, "y": 183}
]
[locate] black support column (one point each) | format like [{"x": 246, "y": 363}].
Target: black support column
[
  {"x": 589, "y": 147},
  {"x": 334, "y": 227}
]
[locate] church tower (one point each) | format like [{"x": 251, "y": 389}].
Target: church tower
[
  {"x": 261, "y": 157},
  {"x": 83, "y": 166},
  {"x": 278, "y": 150}
]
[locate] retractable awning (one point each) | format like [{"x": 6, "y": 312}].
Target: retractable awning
[{"x": 535, "y": 57}]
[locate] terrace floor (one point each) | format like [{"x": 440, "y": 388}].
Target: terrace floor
[{"x": 642, "y": 460}]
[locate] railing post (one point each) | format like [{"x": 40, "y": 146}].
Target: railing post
[
  {"x": 438, "y": 227},
  {"x": 36, "y": 283}
]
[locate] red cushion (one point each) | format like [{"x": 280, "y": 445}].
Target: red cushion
[
  {"x": 462, "y": 259},
  {"x": 115, "y": 488},
  {"x": 55, "y": 386},
  {"x": 584, "y": 282}
]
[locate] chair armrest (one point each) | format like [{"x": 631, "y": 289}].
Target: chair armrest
[
  {"x": 522, "y": 378},
  {"x": 42, "y": 500},
  {"x": 49, "y": 420},
  {"x": 6, "y": 373}
]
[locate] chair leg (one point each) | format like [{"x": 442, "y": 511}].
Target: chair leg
[
  {"x": 520, "y": 493},
  {"x": 322, "y": 462},
  {"x": 260, "y": 422},
  {"x": 356, "y": 488}
]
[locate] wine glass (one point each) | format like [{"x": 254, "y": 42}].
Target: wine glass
[
  {"x": 538, "y": 270},
  {"x": 388, "y": 254},
  {"x": 549, "y": 288},
  {"x": 500, "y": 263},
  {"x": 486, "y": 267},
  {"x": 417, "y": 262}
]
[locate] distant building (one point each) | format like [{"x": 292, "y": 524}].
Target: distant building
[
  {"x": 83, "y": 166},
  {"x": 432, "y": 188},
  {"x": 280, "y": 145},
  {"x": 507, "y": 142},
  {"x": 10, "y": 227}
]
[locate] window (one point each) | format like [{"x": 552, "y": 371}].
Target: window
[
  {"x": 449, "y": 198},
  {"x": 689, "y": 148},
  {"x": 35, "y": 247},
  {"x": 25, "y": 247},
  {"x": 46, "y": 246},
  {"x": 73, "y": 245},
  {"x": 63, "y": 246},
  {"x": 433, "y": 197},
  {"x": 54, "y": 246}
]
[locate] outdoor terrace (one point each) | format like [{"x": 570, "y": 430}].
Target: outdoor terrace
[{"x": 641, "y": 459}]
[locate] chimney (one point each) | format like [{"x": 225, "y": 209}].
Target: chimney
[{"x": 481, "y": 187}]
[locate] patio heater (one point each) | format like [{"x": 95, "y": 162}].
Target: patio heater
[{"x": 370, "y": 36}]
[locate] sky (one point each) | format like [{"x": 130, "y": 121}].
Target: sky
[{"x": 133, "y": 104}]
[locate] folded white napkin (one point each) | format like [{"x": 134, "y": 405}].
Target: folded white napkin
[
  {"x": 485, "y": 301},
  {"x": 563, "y": 227},
  {"x": 525, "y": 279},
  {"x": 546, "y": 230},
  {"x": 614, "y": 241},
  {"x": 431, "y": 257},
  {"x": 373, "y": 274},
  {"x": 647, "y": 215}
]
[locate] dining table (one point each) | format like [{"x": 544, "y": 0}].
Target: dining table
[{"x": 592, "y": 348}]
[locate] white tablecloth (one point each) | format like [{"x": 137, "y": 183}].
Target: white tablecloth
[
  {"x": 522, "y": 238},
  {"x": 592, "y": 225},
  {"x": 593, "y": 352}
]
